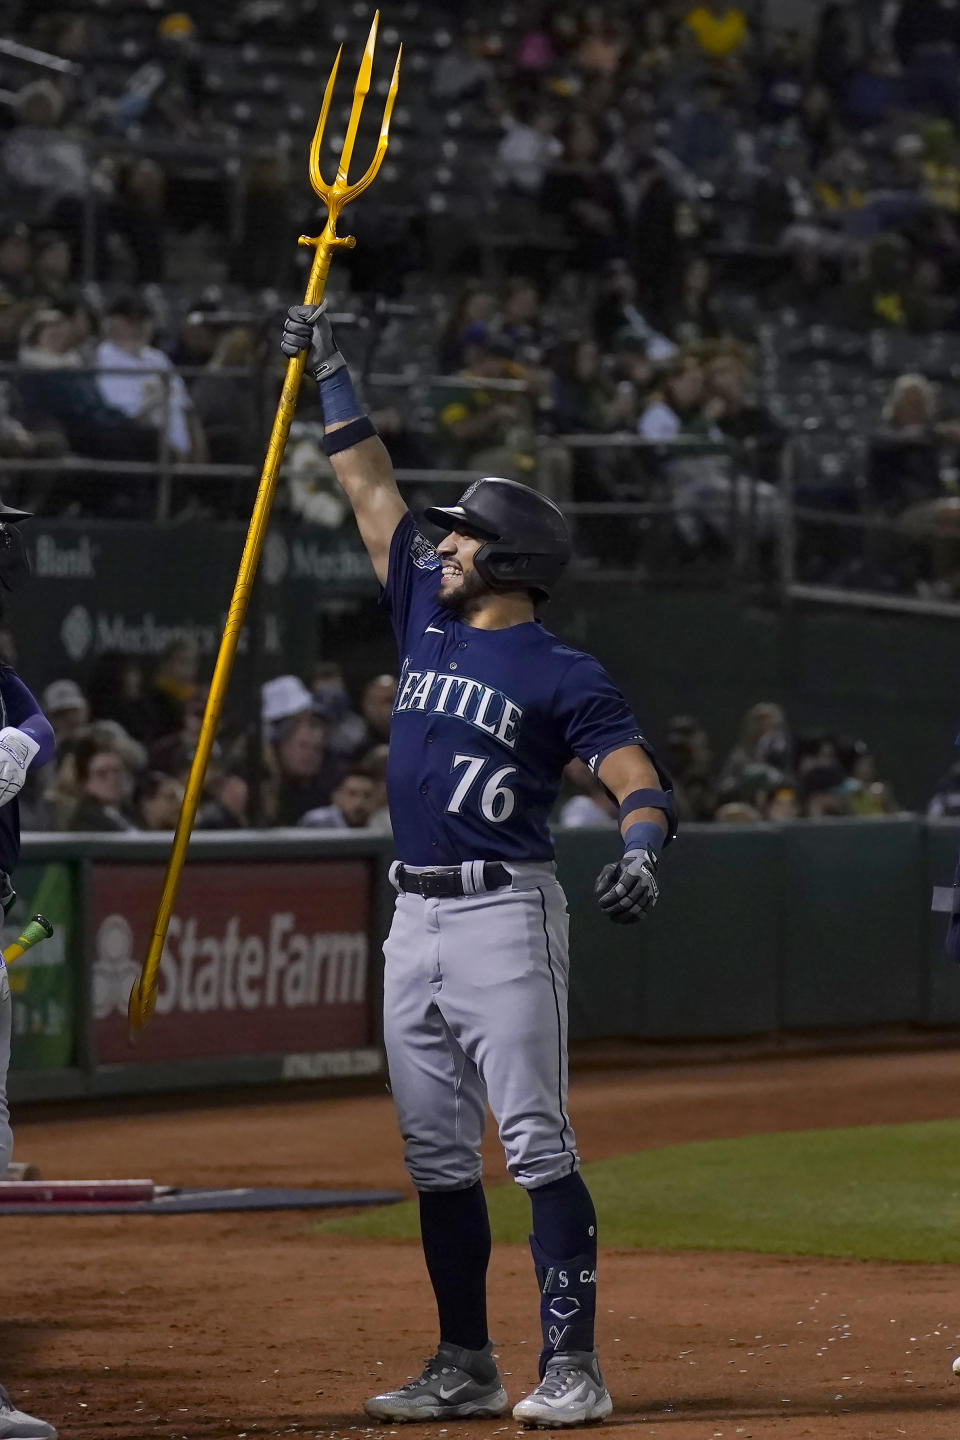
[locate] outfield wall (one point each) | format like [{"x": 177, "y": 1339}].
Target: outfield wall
[{"x": 272, "y": 970}]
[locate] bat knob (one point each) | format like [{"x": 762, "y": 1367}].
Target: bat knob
[{"x": 44, "y": 924}]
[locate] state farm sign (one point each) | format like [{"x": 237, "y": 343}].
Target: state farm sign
[{"x": 260, "y": 958}]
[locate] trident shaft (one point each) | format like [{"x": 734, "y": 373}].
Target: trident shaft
[{"x": 335, "y": 195}]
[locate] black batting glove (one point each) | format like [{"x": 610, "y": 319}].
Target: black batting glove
[
  {"x": 307, "y": 328},
  {"x": 627, "y": 889}
]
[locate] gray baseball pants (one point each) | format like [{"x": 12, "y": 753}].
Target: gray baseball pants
[{"x": 475, "y": 1011}]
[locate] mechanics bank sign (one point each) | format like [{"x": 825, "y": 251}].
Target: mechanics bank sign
[{"x": 260, "y": 959}]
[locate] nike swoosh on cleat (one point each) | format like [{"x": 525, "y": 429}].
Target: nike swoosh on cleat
[
  {"x": 432, "y": 630},
  {"x": 449, "y": 1394}
]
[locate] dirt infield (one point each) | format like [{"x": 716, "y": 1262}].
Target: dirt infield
[{"x": 211, "y": 1327}]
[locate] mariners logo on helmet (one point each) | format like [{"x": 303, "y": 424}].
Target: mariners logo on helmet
[{"x": 526, "y": 541}]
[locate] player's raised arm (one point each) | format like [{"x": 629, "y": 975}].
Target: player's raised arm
[{"x": 358, "y": 455}]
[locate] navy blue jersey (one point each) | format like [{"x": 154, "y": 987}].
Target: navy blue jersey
[{"x": 484, "y": 722}]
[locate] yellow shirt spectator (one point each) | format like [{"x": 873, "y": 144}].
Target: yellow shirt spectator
[{"x": 718, "y": 34}]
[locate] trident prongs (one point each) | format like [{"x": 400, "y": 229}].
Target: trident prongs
[{"x": 341, "y": 192}]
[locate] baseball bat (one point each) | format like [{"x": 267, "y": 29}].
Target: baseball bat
[{"x": 36, "y": 929}]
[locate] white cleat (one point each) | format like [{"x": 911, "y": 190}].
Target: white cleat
[
  {"x": 956, "y": 1367},
  {"x": 18, "y": 1425},
  {"x": 571, "y": 1392}
]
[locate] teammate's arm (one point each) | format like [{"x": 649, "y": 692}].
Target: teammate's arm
[
  {"x": 357, "y": 454},
  {"x": 27, "y": 739}
]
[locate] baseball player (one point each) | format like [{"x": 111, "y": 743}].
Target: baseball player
[
  {"x": 489, "y": 708},
  {"x": 26, "y": 738}
]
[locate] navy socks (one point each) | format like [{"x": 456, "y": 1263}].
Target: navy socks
[
  {"x": 564, "y": 1247},
  {"x": 456, "y": 1245}
]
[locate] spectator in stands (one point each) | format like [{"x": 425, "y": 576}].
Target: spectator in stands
[
  {"x": 675, "y": 409},
  {"x": 705, "y": 130},
  {"x": 782, "y": 80},
  {"x": 148, "y": 389},
  {"x": 537, "y": 51},
  {"x": 66, "y": 707},
  {"x": 784, "y": 804},
  {"x": 582, "y": 399},
  {"x": 885, "y": 294},
  {"x": 374, "y": 764},
  {"x": 170, "y": 688},
  {"x": 226, "y": 405},
  {"x": 754, "y": 786},
  {"x": 602, "y": 42},
  {"x": 814, "y": 749},
  {"x": 352, "y": 803},
  {"x": 168, "y": 91},
  {"x": 719, "y": 30},
  {"x": 908, "y": 451},
  {"x": 348, "y": 733},
  {"x": 738, "y": 415},
  {"x": 468, "y": 320},
  {"x": 376, "y": 708},
  {"x": 135, "y": 218},
  {"x": 16, "y": 262},
  {"x": 691, "y": 314},
  {"x": 44, "y": 166},
  {"x": 763, "y": 739},
  {"x": 688, "y": 756},
  {"x": 925, "y": 35},
  {"x": 131, "y": 752},
  {"x": 103, "y": 783},
  {"x": 867, "y": 795},
  {"x": 115, "y": 688},
  {"x": 529, "y": 146},
  {"x": 832, "y": 55},
  {"x": 196, "y": 339},
  {"x": 584, "y": 198},
  {"x": 618, "y": 315},
  {"x": 870, "y": 90},
  {"x": 781, "y": 201},
  {"x": 945, "y": 801},
  {"x": 304, "y": 771},
  {"x": 489, "y": 430},
  {"x": 52, "y": 267},
  {"x": 822, "y": 792},
  {"x": 463, "y": 72},
  {"x": 591, "y": 806},
  {"x": 53, "y": 389},
  {"x": 157, "y": 801},
  {"x": 521, "y": 321},
  {"x": 226, "y": 801}
]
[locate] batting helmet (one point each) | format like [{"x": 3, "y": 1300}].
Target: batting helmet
[
  {"x": 526, "y": 541},
  {"x": 14, "y": 561}
]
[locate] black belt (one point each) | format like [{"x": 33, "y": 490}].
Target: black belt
[{"x": 446, "y": 882}]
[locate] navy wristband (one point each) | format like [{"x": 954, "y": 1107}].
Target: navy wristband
[
  {"x": 644, "y": 835},
  {"x": 337, "y": 400},
  {"x": 362, "y": 428}
]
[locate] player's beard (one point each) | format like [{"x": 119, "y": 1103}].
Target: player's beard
[{"x": 468, "y": 594}]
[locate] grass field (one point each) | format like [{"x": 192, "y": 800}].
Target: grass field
[{"x": 884, "y": 1192}]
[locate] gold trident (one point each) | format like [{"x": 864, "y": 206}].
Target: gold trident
[{"x": 335, "y": 196}]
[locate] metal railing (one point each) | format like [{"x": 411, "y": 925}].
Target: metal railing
[{"x": 636, "y": 505}]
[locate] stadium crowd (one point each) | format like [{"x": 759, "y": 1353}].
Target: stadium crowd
[
  {"x": 686, "y": 226},
  {"x": 125, "y": 742},
  {"x": 675, "y": 253}
]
